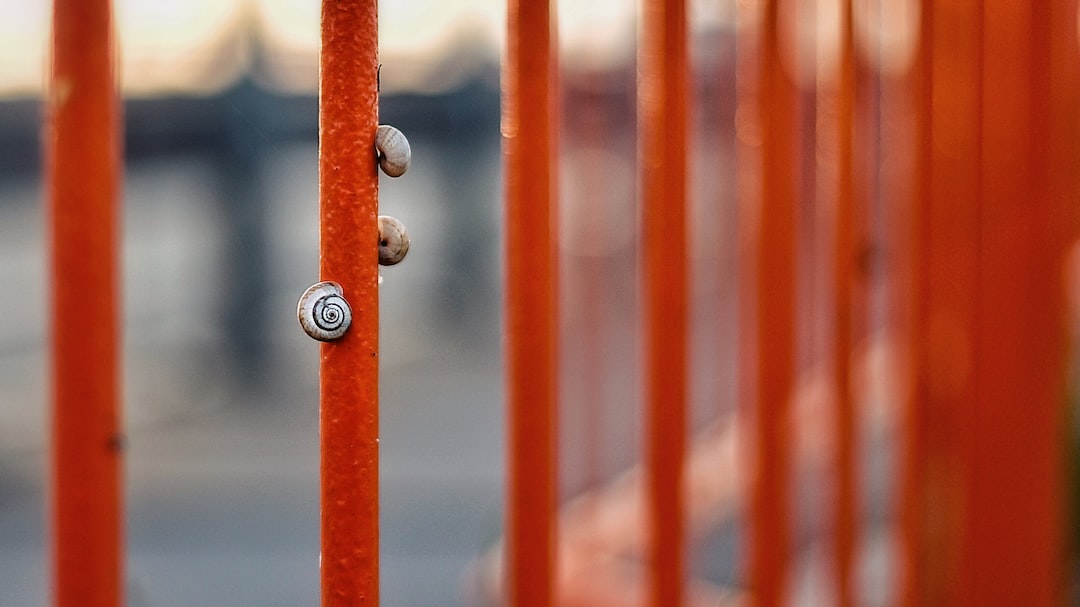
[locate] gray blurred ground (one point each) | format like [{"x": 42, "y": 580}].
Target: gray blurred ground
[{"x": 223, "y": 505}]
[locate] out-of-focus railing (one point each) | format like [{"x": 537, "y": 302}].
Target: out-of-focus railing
[{"x": 906, "y": 209}]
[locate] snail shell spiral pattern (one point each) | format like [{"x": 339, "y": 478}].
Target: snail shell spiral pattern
[
  {"x": 323, "y": 312},
  {"x": 393, "y": 150},
  {"x": 393, "y": 241}
]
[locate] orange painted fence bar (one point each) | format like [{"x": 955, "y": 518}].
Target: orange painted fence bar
[
  {"x": 529, "y": 134},
  {"x": 1017, "y": 463},
  {"x": 907, "y": 191},
  {"x": 768, "y": 212},
  {"x": 663, "y": 88},
  {"x": 83, "y": 163},
  {"x": 845, "y": 203},
  {"x": 947, "y": 234},
  {"x": 994, "y": 218},
  {"x": 349, "y": 371},
  {"x": 846, "y": 514}
]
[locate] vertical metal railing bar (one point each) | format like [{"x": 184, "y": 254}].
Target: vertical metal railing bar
[
  {"x": 993, "y": 93},
  {"x": 951, "y": 240},
  {"x": 1055, "y": 90},
  {"x": 83, "y": 159},
  {"x": 663, "y": 88},
  {"x": 1016, "y": 486},
  {"x": 909, "y": 207},
  {"x": 349, "y": 389},
  {"x": 948, "y": 238},
  {"x": 846, "y": 267},
  {"x": 771, "y": 213},
  {"x": 529, "y": 126},
  {"x": 909, "y": 285}
]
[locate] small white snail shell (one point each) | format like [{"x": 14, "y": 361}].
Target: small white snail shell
[
  {"x": 393, "y": 241},
  {"x": 393, "y": 150},
  {"x": 323, "y": 312}
]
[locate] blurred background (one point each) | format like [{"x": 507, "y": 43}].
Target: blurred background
[{"x": 220, "y": 203}]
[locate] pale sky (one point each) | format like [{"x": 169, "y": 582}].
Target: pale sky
[{"x": 200, "y": 46}]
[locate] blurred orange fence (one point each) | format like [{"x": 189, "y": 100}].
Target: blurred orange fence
[
  {"x": 906, "y": 177},
  {"x": 904, "y": 190}
]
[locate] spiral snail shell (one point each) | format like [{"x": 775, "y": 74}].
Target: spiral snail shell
[
  {"x": 393, "y": 150},
  {"x": 323, "y": 312},
  {"x": 393, "y": 241}
]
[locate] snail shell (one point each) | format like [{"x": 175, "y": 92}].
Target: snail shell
[
  {"x": 393, "y": 241},
  {"x": 393, "y": 150},
  {"x": 323, "y": 312}
]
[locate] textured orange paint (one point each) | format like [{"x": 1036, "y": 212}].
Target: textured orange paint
[
  {"x": 349, "y": 372},
  {"x": 83, "y": 163},
  {"x": 529, "y": 132}
]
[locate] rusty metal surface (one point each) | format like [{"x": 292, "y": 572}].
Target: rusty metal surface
[{"x": 349, "y": 373}]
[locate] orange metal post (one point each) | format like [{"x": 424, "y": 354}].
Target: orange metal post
[
  {"x": 529, "y": 132},
  {"x": 663, "y": 88},
  {"x": 909, "y": 192},
  {"x": 1015, "y": 548},
  {"x": 950, "y": 239},
  {"x": 349, "y": 372},
  {"x": 946, "y": 245},
  {"x": 83, "y": 162},
  {"x": 983, "y": 510},
  {"x": 839, "y": 101},
  {"x": 769, "y": 212}
]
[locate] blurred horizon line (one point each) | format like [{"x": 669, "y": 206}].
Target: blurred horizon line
[{"x": 202, "y": 47}]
